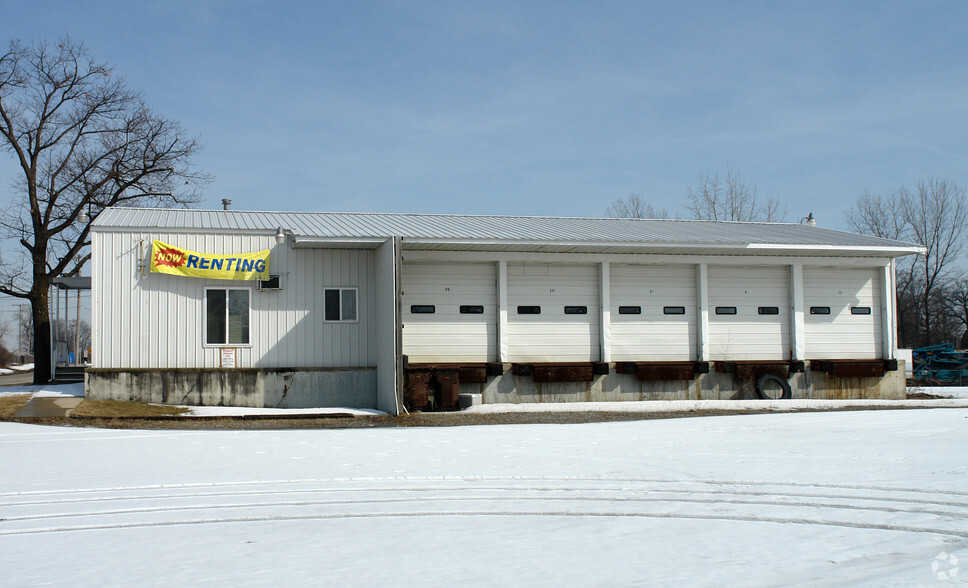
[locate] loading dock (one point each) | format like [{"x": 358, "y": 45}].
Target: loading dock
[
  {"x": 449, "y": 312},
  {"x": 653, "y": 312},
  {"x": 553, "y": 312},
  {"x": 842, "y": 318},
  {"x": 749, "y": 313}
]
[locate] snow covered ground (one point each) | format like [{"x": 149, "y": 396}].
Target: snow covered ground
[
  {"x": 952, "y": 391},
  {"x": 45, "y": 390},
  {"x": 660, "y": 406},
  {"x": 842, "y": 498},
  {"x": 954, "y": 398},
  {"x": 13, "y": 369}
]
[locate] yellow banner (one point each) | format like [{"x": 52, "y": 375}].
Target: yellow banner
[{"x": 168, "y": 259}]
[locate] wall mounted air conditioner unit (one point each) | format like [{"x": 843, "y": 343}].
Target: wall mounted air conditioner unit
[{"x": 273, "y": 283}]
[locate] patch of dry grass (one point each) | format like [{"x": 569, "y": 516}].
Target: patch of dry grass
[
  {"x": 9, "y": 405},
  {"x": 117, "y": 408},
  {"x": 924, "y": 396}
]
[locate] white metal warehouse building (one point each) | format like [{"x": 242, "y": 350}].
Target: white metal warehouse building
[{"x": 391, "y": 311}]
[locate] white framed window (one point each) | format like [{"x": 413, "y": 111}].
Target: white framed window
[
  {"x": 340, "y": 305},
  {"x": 227, "y": 316}
]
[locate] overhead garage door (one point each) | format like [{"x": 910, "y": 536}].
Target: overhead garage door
[
  {"x": 653, "y": 312},
  {"x": 842, "y": 313},
  {"x": 553, "y": 312},
  {"x": 749, "y": 313},
  {"x": 449, "y": 312}
]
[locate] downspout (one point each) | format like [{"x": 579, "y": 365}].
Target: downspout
[{"x": 398, "y": 321}]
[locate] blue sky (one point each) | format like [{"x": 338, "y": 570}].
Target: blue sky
[{"x": 539, "y": 108}]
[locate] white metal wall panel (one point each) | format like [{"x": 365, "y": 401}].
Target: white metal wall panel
[
  {"x": 748, "y": 334},
  {"x": 446, "y": 335},
  {"x": 553, "y": 335},
  {"x": 145, "y": 320},
  {"x": 653, "y": 335},
  {"x": 386, "y": 262},
  {"x": 841, "y": 334}
]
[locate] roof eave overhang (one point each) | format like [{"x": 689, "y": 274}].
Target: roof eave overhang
[
  {"x": 319, "y": 242},
  {"x": 659, "y": 247},
  {"x": 880, "y": 250}
]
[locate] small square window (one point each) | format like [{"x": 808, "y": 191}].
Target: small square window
[
  {"x": 630, "y": 310},
  {"x": 529, "y": 310},
  {"x": 768, "y": 310},
  {"x": 576, "y": 310},
  {"x": 860, "y": 310},
  {"x": 339, "y": 305},
  {"x": 423, "y": 308},
  {"x": 673, "y": 310},
  {"x": 819, "y": 310},
  {"x": 725, "y": 310},
  {"x": 472, "y": 309}
]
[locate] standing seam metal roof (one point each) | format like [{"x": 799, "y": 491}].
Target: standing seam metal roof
[{"x": 447, "y": 227}]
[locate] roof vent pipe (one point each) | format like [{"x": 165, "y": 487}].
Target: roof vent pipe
[{"x": 226, "y": 203}]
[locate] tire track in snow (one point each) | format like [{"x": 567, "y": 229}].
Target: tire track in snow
[
  {"x": 416, "y": 514},
  {"x": 482, "y": 478},
  {"x": 98, "y": 499},
  {"x": 438, "y": 499},
  {"x": 575, "y": 489}
]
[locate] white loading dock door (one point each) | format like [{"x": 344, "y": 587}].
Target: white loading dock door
[
  {"x": 749, "y": 313},
  {"x": 545, "y": 318},
  {"x": 449, "y": 312},
  {"x": 653, "y": 312},
  {"x": 842, "y": 313}
]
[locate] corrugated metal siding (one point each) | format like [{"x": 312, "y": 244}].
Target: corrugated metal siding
[
  {"x": 156, "y": 320},
  {"x": 842, "y": 335},
  {"x": 553, "y": 335},
  {"x": 537, "y": 231},
  {"x": 447, "y": 335},
  {"x": 747, "y": 334},
  {"x": 653, "y": 335}
]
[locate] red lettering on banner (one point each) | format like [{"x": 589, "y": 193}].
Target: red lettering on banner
[{"x": 170, "y": 257}]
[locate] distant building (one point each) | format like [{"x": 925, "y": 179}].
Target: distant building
[{"x": 383, "y": 310}]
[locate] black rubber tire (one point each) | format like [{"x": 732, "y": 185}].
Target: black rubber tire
[{"x": 767, "y": 386}]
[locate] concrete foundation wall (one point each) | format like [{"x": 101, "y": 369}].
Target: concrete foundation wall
[
  {"x": 357, "y": 387},
  {"x": 509, "y": 388},
  {"x": 271, "y": 388}
]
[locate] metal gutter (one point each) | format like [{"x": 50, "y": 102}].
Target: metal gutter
[{"x": 660, "y": 246}]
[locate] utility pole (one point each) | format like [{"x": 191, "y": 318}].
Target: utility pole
[{"x": 77, "y": 329}]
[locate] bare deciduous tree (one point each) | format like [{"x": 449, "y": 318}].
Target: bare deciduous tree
[
  {"x": 83, "y": 141},
  {"x": 937, "y": 212},
  {"x": 633, "y": 206},
  {"x": 878, "y": 216},
  {"x": 934, "y": 215},
  {"x": 954, "y": 307},
  {"x": 883, "y": 216},
  {"x": 25, "y": 325},
  {"x": 71, "y": 331},
  {"x": 731, "y": 200}
]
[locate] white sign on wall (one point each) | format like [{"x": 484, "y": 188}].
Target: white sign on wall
[{"x": 228, "y": 357}]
